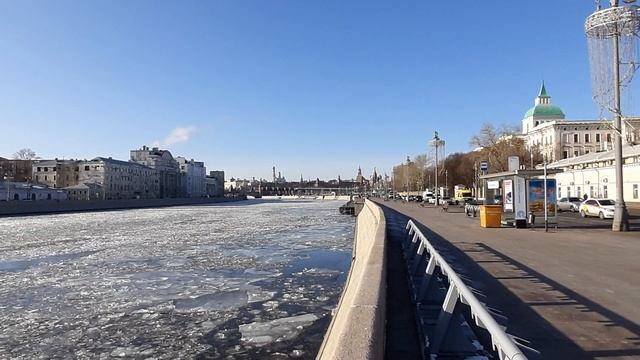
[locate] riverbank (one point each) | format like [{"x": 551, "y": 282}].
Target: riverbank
[
  {"x": 23, "y": 208},
  {"x": 357, "y": 330}
]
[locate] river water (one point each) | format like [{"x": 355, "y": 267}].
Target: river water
[{"x": 249, "y": 280}]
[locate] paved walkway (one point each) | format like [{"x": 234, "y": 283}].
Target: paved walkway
[{"x": 573, "y": 293}]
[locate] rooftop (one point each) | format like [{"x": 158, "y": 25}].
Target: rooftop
[
  {"x": 627, "y": 151},
  {"x": 545, "y": 110}
]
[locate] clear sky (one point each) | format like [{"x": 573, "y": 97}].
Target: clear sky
[{"x": 313, "y": 87}]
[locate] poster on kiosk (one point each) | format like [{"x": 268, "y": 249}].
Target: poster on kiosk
[
  {"x": 507, "y": 195},
  {"x": 536, "y": 197},
  {"x": 520, "y": 198}
]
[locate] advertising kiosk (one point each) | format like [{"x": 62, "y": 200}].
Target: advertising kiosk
[{"x": 520, "y": 196}]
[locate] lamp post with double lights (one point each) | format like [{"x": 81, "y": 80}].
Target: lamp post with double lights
[{"x": 436, "y": 143}]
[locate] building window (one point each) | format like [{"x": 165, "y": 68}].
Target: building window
[
  {"x": 568, "y": 191},
  {"x": 575, "y": 138},
  {"x": 597, "y": 138},
  {"x": 45, "y": 178},
  {"x": 605, "y": 191},
  {"x": 46, "y": 169},
  {"x": 586, "y": 138},
  {"x": 591, "y": 192},
  {"x": 578, "y": 192},
  {"x": 635, "y": 191},
  {"x": 575, "y": 153},
  {"x": 608, "y": 137},
  {"x": 86, "y": 168}
]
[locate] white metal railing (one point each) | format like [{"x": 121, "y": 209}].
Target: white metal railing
[{"x": 501, "y": 342}]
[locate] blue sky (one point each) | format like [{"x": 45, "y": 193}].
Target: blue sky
[{"x": 313, "y": 87}]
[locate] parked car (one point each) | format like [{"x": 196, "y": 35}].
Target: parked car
[
  {"x": 603, "y": 208},
  {"x": 448, "y": 200},
  {"x": 569, "y": 204}
]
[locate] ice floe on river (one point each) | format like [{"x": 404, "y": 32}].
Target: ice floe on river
[{"x": 240, "y": 281}]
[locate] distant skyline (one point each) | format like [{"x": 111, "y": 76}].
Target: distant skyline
[{"x": 313, "y": 88}]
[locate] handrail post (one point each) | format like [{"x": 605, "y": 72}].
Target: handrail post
[
  {"x": 428, "y": 279},
  {"x": 444, "y": 319},
  {"x": 457, "y": 294}
]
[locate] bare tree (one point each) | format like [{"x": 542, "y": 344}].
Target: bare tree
[
  {"x": 25, "y": 154},
  {"x": 496, "y": 144},
  {"x": 461, "y": 168}
]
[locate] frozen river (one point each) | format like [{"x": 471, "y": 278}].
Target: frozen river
[{"x": 250, "y": 280}]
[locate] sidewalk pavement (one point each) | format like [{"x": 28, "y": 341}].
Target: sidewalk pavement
[{"x": 573, "y": 293}]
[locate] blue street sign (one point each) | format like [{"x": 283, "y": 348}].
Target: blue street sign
[{"x": 484, "y": 165}]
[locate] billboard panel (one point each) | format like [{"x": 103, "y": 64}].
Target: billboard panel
[
  {"x": 507, "y": 197},
  {"x": 536, "y": 196}
]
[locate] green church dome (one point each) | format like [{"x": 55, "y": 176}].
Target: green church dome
[
  {"x": 543, "y": 107},
  {"x": 544, "y": 110}
]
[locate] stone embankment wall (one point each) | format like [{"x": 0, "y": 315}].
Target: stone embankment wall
[
  {"x": 357, "y": 328},
  {"x": 18, "y": 208}
]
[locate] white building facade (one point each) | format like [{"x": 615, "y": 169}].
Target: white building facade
[
  {"x": 193, "y": 178},
  {"x": 165, "y": 164},
  {"x": 17, "y": 191},
  {"x": 593, "y": 174},
  {"x": 544, "y": 127},
  {"x": 584, "y": 150},
  {"x": 120, "y": 179}
]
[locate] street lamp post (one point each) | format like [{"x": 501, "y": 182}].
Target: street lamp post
[
  {"x": 607, "y": 30},
  {"x": 6, "y": 183},
  {"x": 436, "y": 142},
  {"x": 546, "y": 209},
  {"x": 406, "y": 174},
  {"x": 620, "y": 216},
  {"x": 393, "y": 184},
  {"x": 446, "y": 181}
]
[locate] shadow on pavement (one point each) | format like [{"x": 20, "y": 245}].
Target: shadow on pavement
[
  {"x": 603, "y": 319},
  {"x": 524, "y": 321}
]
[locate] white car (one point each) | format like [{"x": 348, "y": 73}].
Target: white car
[
  {"x": 603, "y": 208},
  {"x": 569, "y": 204}
]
